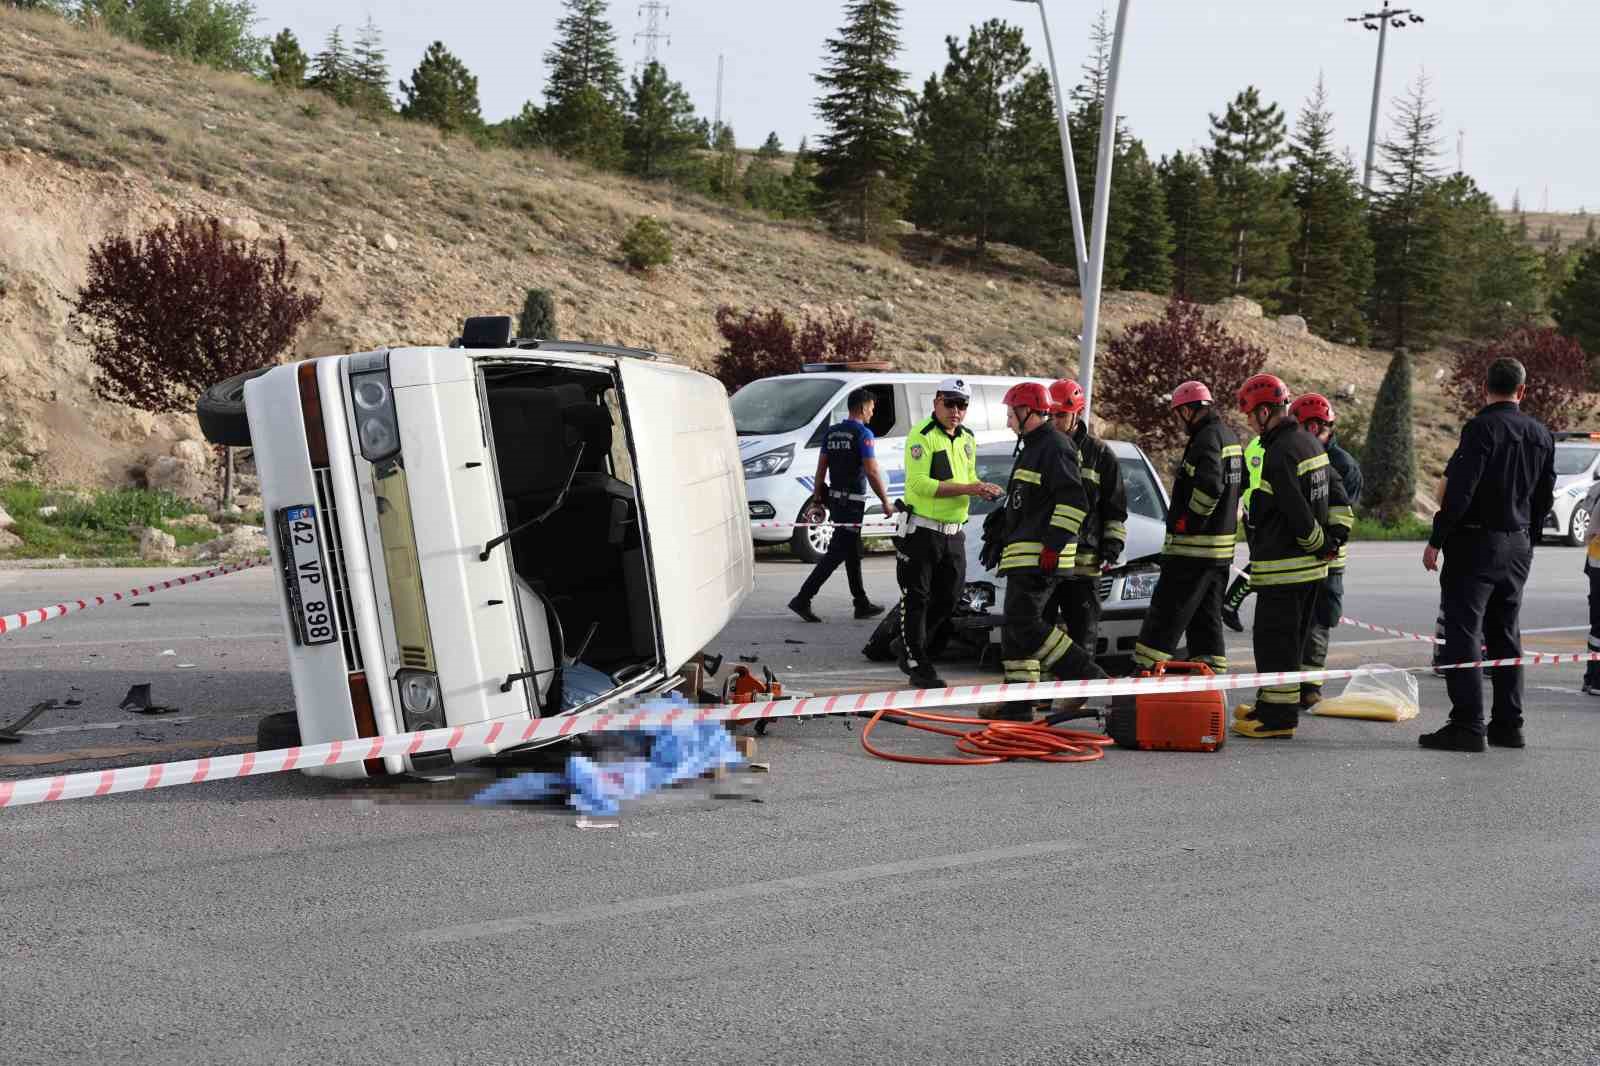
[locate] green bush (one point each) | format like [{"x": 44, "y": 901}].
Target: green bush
[
  {"x": 1409, "y": 527},
  {"x": 538, "y": 318},
  {"x": 96, "y": 528},
  {"x": 647, "y": 244}
]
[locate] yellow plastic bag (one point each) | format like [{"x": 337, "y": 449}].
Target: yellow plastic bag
[{"x": 1379, "y": 693}]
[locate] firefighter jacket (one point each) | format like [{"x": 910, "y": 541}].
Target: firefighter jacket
[
  {"x": 1292, "y": 534},
  {"x": 1205, "y": 497},
  {"x": 1348, "y": 472},
  {"x": 1105, "y": 530},
  {"x": 1045, "y": 503}
]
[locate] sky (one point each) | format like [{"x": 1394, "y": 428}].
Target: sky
[{"x": 1514, "y": 83}]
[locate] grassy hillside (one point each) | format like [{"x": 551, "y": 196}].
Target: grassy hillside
[{"x": 405, "y": 232}]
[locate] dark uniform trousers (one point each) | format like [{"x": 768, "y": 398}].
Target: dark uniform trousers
[
  {"x": 1484, "y": 571},
  {"x": 1187, "y": 602},
  {"x": 1591, "y": 674},
  {"x": 1030, "y": 647},
  {"x": 1324, "y": 619},
  {"x": 932, "y": 570},
  {"x": 844, "y": 547},
  {"x": 1076, "y": 605},
  {"x": 1284, "y": 615}
]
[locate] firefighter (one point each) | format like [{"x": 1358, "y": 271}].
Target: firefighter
[
  {"x": 1104, "y": 533},
  {"x": 1240, "y": 589},
  {"x": 1199, "y": 545},
  {"x": 1292, "y": 540},
  {"x": 1315, "y": 415},
  {"x": 931, "y": 550},
  {"x": 1044, "y": 512}
]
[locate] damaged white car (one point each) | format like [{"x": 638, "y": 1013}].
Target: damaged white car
[{"x": 493, "y": 531}]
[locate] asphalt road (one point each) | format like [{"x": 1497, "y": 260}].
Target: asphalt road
[{"x": 1340, "y": 897}]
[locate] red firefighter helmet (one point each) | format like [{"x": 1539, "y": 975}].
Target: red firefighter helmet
[
  {"x": 1260, "y": 389},
  {"x": 1190, "y": 392},
  {"x": 1313, "y": 405},
  {"x": 1028, "y": 394},
  {"x": 1067, "y": 396}
]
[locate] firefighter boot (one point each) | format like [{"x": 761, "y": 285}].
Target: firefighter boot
[
  {"x": 1246, "y": 724},
  {"x": 1233, "y": 600}
]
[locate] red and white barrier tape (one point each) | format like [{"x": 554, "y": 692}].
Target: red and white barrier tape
[
  {"x": 498, "y": 736},
  {"x": 11, "y": 622},
  {"x": 808, "y": 525},
  {"x": 1345, "y": 620}
]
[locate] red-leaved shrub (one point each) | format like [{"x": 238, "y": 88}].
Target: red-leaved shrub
[
  {"x": 762, "y": 344},
  {"x": 1558, "y": 376}
]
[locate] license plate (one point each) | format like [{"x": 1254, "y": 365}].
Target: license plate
[{"x": 305, "y": 576}]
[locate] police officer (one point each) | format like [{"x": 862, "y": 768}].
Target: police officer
[
  {"x": 1076, "y": 601},
  {"x": 846, "y": 465},
  {"x": 1200, "y": 533},
  {"x": 1291, "y": 542},
  {"x": 1254, "y": 452},
  {"x": 1499, "y": 486},
  {"x": 931, "y": 552},
  {"x": 1315, "y": 415},
  {"x": 1044, "y": 513}
]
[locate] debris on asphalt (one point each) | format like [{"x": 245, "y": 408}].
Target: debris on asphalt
[
  {"x": 12, "y": 734},
  {"x": 138, "y": 701},
  {"x": 169, "y": 651},
  {"x": 791, "y": 640},
  {"x": 749, "y": 658}
]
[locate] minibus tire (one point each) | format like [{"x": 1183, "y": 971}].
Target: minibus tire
[
  {"x": 220, "y": 409},
  {"x": 281, "y": 730}
]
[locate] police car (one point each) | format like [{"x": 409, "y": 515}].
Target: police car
[
  {"x": 781, "y": 422},
  {"x": 1577, "y": 467}
]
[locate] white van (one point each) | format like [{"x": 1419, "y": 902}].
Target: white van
[
  {"x": 781, "y": 422},
  {"x": 490, "y": 532}
]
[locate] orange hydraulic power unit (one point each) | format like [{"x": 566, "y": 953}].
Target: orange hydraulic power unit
[{"x": 1170, "y": 721}]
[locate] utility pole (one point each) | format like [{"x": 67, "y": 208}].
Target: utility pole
[
  {"x": 1380, "y": 22},
  {"x": 716, "y": 127},
  {"x": 653, "y": 12}
]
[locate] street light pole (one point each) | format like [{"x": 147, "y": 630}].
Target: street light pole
[
  {"x": 1067, "y": 165},
  {"x": 1384, "y": 19}
]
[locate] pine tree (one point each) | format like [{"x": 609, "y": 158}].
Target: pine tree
[
  {"x": 662, "y": 130},
  {"x": 442, "y": 93},
  {"x": 369, "y": 71},
  {"x": 332, "y": 69},
  {"x": 1084, "y": 118},
  {"x": 1576, "y": 305},
  {"x": 538, "y": 317},
  {"x": 1200, "y": 257},
  {"x": 1037, "y": 217},
  {"x": 1247, "y": 142},
  {"x": 1332, "y": 255},
  {"x": 865, "y": 155},
  {"x": 763, "y": 186},
  {"x": 525, "y": 129},
  {"x": 771, "y": 149},
  {"x": 722, "y": 177},
  {"x": 968, "y": 174},
  {"x": 1494, "y": 277},
  {"x": 800, "y": 192},
  {"x": 1388, "y": 463},
  {"x": 584, "y": 97},
  {"x": 287, "y": 61},
  {"x": 1408, "y": 226},
  {"x": 1147, "y": 263}
]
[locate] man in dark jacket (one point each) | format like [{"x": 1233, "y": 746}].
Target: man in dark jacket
[
  {"x": 1499, "y": 486},
  {"x": 1292, "y": 539},
  {"x": 1044, "y": 511},
  {"x": 1315, "y": 415},
  {"x": 1104, "y": 533},
  {"x": 1200, "y": 535}
]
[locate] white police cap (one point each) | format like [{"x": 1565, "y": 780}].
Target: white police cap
[{"x": 955, "y": 387}]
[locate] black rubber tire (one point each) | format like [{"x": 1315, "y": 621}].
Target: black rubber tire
[
  {"x": 281, "y": 730},
  {"x": 800, "y": 543},
  {"x": 220, "y": 409}
]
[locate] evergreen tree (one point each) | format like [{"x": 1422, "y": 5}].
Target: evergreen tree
[
  {"x": 1332, "y": 255},
  {"x": 865, "y": 154},
  {"x": 1201, "y": 263},
  {"x": 763, "y": 185},
  {"x": 722, "y": 176},
  {"x": 1388, "y": 462},
  {"x": 1408, "y": 226},
  {"x": 1083, "y": 126},
  {"x": 1247, "y": 142},
  {"x": 286, "y": 61},
  {"x": 800, "y": 192},
  {"x": 662, "y": 129},
  {"x": 584, "y": 97},
  {"x": 369, "y": 71},
  {"x": 771, "y": 149},
  {"x": 1147, "y": 262},
  {"x": 968, "y": 173},
  {"x": 1494, "y": 277},
  {"x": 538, "y": 317},
  {"x": 442, "y": 93},
  {"x": 525, "y": 129},
  {"x": 1037, "y": 217},
  {"x": 1576, "y": 305},
  {"x": 332, "y": 69}
]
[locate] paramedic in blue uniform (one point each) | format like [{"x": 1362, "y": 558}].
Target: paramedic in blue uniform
[
  {"x": 1499, "y": 486},
  {"x": 845, "y": 467}
]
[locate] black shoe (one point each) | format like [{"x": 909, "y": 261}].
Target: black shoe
[
  {"x": 1231, "y": 619},
  {"x": 1453, "y": 737},
  {"x": 867, "y": 609},
  {"x": 878, "y": 653},
  {"x": 921, "y": 675},
  {"x": 1505, "y": 736},
  {"x": 803, "y": 609}
]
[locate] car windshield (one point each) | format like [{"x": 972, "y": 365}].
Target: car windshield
[
  {"x": 994, "y": 465},
  {"x": 1574, "y": 460},
  {"x": 780, "y": 405}
]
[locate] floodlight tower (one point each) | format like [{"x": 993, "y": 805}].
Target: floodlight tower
[{"x": 1380, "y": 22}]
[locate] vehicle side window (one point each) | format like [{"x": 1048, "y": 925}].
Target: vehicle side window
[
  {"x": 1143, "y": 496},
  {"x": 885, "y": 412},
  {"x": 994, "y": 410}
]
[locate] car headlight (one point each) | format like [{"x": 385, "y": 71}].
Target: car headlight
[
  {"x": 421, "y": 699},
  {"x": 978, "y": 596},
  {"x": 1140, "y": 585},
  {"x": 377, "y": 425},
  {"x": 769, "y": 463}
]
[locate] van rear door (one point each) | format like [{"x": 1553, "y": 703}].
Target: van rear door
[{"x": 690, "y": 486}]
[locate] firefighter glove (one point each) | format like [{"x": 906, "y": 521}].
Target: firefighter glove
[{"x": 1049, "y": 559}]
